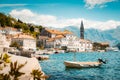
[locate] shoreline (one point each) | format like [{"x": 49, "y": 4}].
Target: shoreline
[{"x": 32, "y": 64}]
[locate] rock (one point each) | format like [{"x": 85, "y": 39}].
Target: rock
[{"x": 32, "y": 64}]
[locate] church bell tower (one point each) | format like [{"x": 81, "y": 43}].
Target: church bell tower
[{"x": 82, "y": 30}]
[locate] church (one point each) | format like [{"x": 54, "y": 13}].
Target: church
[
  {"x": 58, "y": 39},
  {"x": 74, "y": 43}
]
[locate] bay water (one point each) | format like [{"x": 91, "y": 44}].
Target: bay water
[{"x": 55, "y": 68}]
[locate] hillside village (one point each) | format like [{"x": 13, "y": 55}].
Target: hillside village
[{"x": 47, "y": 39}]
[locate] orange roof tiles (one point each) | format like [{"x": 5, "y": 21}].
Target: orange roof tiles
[
  {"x": 24, "y": 36},
  {"x": 57, "y": 32},
  {"x": 54, "y": 31},
  {"x": 59, "y": 36}
]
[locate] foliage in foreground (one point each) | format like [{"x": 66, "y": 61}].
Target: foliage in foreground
[
  {"x": 37, "y": 74},
  {"x": 14, "y": 72},
  {"x": 4, "y": 59}
]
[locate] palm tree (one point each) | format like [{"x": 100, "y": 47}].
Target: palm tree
[
  {"x": 14, "y": 70},
  {"x": 37, "y": 74}
]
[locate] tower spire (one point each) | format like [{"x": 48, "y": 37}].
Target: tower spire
[{"x": 82, "y": 30}]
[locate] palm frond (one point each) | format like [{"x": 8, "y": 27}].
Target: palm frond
[
  {"x": 14, "y": 70},
  {"x": 21, "y": 65},
  {"x": 37, "y": 74}
]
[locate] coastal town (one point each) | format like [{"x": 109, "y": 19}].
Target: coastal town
[
  {"x": 59, "y": 40},
  {"x": 49, "y": 39}
]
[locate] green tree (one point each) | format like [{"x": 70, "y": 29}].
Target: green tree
[
  {"x": 5, "y": 20},
  {"x": 18, "y": 25},
  {"x": 2, "y": 19},
  {"x": 15, "y": 44},
  {"x": 64, "y": 48},
  {"x": 32, "y": 29},
  {"x": 99, "y": 46},
  {"x": 40, "y": 28},
  {"x": 20, "y": 21},
  {"x": 8, "y": 21}
]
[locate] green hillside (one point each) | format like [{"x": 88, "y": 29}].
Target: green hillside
[{"x": 9, "y": 21}]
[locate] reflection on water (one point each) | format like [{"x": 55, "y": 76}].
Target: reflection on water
[{"x": 57, "y": 71}]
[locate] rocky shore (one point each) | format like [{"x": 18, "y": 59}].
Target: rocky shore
[{"x": 32, "y": 64}]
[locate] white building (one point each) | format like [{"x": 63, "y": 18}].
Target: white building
[
  {"x": 72, "y": 42},
  {"x": 4, "y": 43},
  {"x": 27, "y": 42},
  {"x": 57, "y": 39},
  {"x": 9, "y": 30},
  {"x": 75, "y": 44}
]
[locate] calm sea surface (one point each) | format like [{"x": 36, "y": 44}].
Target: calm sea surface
[{"x": 55, "y": 68}]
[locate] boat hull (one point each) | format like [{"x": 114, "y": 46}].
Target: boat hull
[{"x": 71, "y": 64}]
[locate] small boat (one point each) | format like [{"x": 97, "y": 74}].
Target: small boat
[
  {"x": 115, "y": 49},
  {"x": 40, "y": 57},
  {"x": 76, "y": 64},
  {"x": 72, "y": 64}
]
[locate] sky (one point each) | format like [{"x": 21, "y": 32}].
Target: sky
[{"x": 99, "y": 14}]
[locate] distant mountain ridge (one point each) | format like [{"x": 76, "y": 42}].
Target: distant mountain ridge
[{"x": 112, "y": 36}]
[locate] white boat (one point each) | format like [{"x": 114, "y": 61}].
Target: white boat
[
  {"x": 115, "y": 49},
  {"x": 76, "y": 64},
  {"x": 72, "y": 64}
]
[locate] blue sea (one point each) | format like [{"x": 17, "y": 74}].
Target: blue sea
[{"x": 54, "y": 67}]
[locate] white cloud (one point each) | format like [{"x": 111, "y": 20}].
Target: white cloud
[
  {"x": 30, "y": 17},
  {"x": 92, "y": 3},
  {"x": 52, "y": 21},
  {"x": 10, "y": 5}
]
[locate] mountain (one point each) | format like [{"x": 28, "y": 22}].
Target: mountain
[{"x": 112, "y": 36}]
